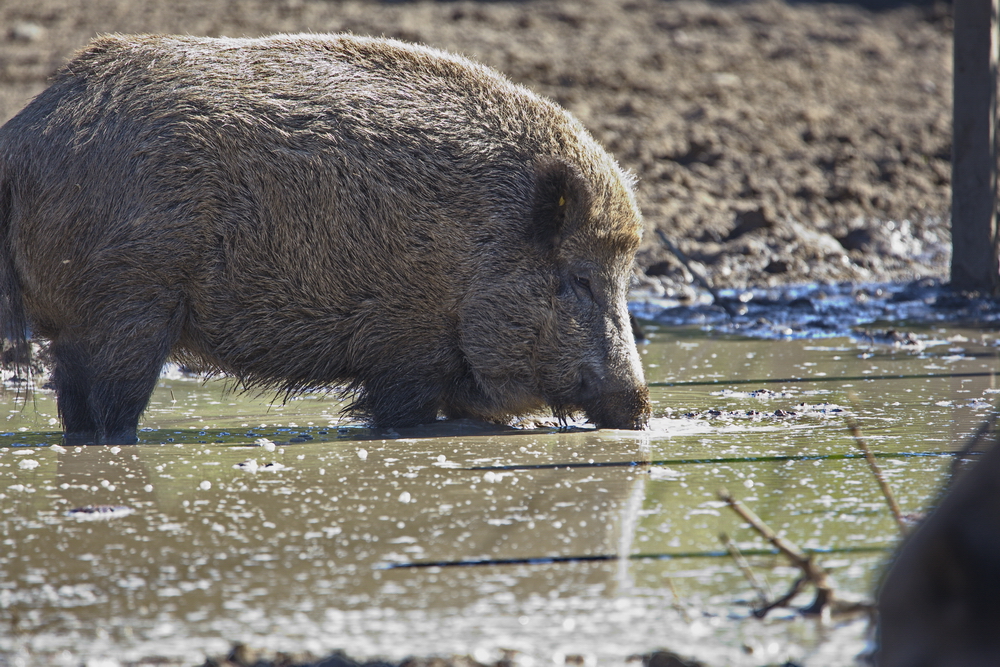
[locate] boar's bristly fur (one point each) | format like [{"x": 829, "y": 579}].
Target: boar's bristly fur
[{"x": 306, "y": 211}]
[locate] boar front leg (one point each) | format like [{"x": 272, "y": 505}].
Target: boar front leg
[{"x": 398, "y": 400}]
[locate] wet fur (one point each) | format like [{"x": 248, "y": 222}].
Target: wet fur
[{"x": 305, "y": 211}]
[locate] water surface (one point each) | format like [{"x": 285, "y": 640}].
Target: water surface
[{"x": 284, "y": 526}]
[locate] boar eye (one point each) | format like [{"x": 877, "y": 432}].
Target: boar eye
[{"x": 584, "y": 283}]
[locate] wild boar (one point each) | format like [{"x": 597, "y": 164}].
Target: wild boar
[
  {"x": 304, "y": 211},
  {"x": 939, "y": 605}
]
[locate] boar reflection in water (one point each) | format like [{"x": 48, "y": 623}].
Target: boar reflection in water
[{"x": 307, "y": 211}]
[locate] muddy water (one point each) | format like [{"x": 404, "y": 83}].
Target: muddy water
[{"x": 285, "y": 527}]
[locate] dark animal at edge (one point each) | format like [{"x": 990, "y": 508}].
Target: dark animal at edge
[
  {"x": 305, "y": 211},
  {"x": 939, "y": 605}
]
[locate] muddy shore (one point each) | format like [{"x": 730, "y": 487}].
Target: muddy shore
[{"x": 774, "y": 143}]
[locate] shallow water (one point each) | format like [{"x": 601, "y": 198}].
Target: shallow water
[{"x": 285, "y": 527}]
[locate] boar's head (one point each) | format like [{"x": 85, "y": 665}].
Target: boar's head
[{"x": 551, "y": 326}]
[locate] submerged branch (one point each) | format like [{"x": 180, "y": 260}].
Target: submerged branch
[
  {"x": 985, "y": 429},
  {"x": 890, "y": 498},
  {"x": 812, "y": 573}
]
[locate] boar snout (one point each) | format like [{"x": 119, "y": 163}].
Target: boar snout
[
  {"x": 609, "y": 402},
  {"x": 612, "y": 389}
]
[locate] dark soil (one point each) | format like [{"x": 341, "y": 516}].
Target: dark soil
[{"x": 774, "y": 143}]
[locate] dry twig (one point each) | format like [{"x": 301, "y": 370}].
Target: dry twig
[{"x": 697, "y": 275}]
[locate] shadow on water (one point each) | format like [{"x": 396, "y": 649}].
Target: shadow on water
[{"x": 282, "y": 525}]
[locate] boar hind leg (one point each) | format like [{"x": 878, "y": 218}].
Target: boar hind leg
[
  {"x": 72, "y": 378},
  {"x": 100, "y": 399}
]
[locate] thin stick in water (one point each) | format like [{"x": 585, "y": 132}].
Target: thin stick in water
[
  {"x": 763, "y": 595},
  {"x": 890, "y": 498}
]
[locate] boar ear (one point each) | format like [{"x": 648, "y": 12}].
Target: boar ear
[{"x": 561, "y": 199}]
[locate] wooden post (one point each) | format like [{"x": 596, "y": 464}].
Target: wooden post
[{"x": 974, "y": 234}]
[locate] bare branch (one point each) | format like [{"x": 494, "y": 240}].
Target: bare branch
[
  {"x": 811, "y": 572},
  {"x": 698, "y": 276}
]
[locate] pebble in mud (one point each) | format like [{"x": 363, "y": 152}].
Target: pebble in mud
[
  {"x": 99, "y": 512},
  {"x": 802, "y": 410},
  {"x": 268, "y": 445},
  {"x": 738, "y": 414},
  {"x": 894, "y": 338},
  {"x": 251, "y": 465}
]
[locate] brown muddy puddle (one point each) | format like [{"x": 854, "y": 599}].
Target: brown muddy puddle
[{"x": 282, "y": 526}]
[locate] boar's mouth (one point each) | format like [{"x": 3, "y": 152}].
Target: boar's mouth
[
  {"x": 624, "y": 410},
  {"x": 605, "y": 407}
]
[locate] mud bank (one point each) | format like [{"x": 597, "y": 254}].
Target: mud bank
[{"x": 774, "y": 143}]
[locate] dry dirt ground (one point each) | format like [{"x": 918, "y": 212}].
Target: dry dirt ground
[{"x": 774, "y": 143}]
